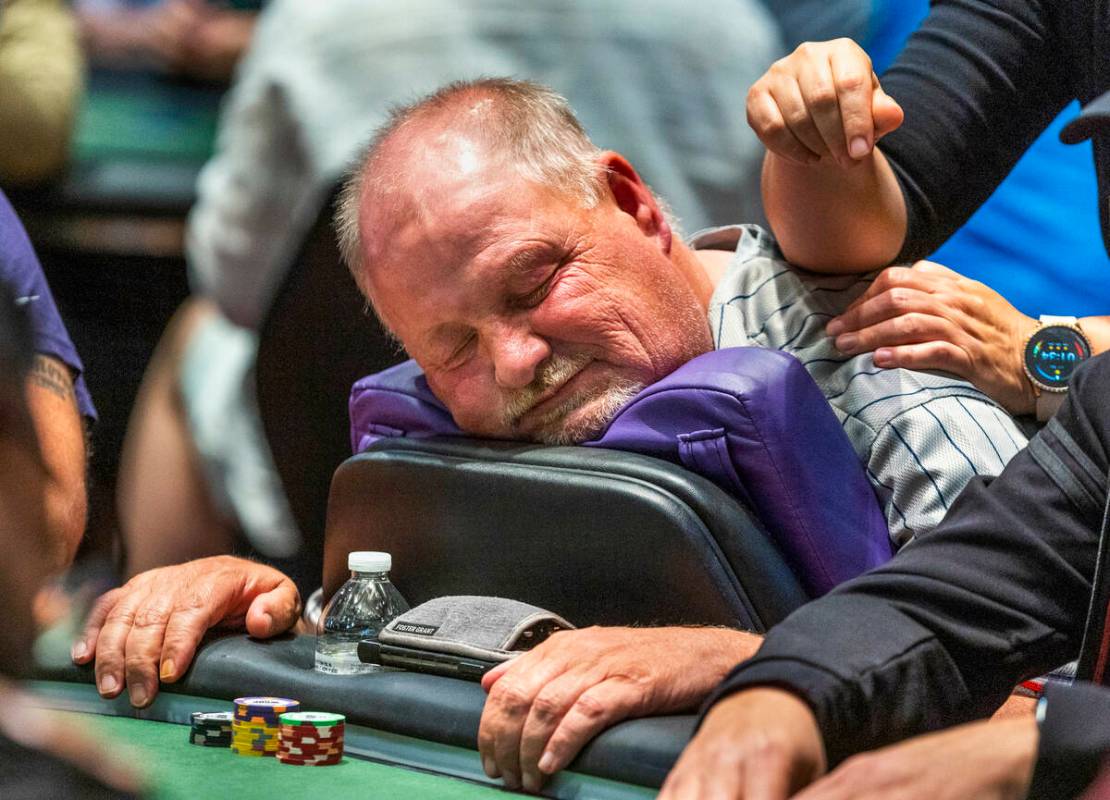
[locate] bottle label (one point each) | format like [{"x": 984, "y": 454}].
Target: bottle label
[{"x": 342, "y": 664}]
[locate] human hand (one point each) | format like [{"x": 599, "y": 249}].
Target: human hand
[
  {"x": 929, "y": 317},
  {"x": 985, "y": 760},
  {"x": 759, "y": 744},
  {"x": 822, "y": 103},
  {"x": 159, "y": 616},
  {"x": 546, "y": 704}
]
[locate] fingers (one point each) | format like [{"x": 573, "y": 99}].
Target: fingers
[
  {"x": 943, "y": 356},
  {"x": 766, "y": 119},
  {"x": 183, "y": 632},
  {"x": 493, "y": 675},
  {"x": 886, "y": 114},
  {"x": 819, "y": 91},
  {"x": 111, "y": 643},
  {"x": 927, "y": 288},
  {"x": 563, "y": 720},
  {"x": 275, "y": 611},
  {"x": 149, "y": 629},
  {"x": 912, "y": 328},
  {"x": 855, "y": 85},
  {"x": 822, "y": 102},
  {"x": 143, "y": 648},
  {"x": 85, "y": 647},
  {"x": 506, "y": 710}
]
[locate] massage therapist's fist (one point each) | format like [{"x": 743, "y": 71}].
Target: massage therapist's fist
[
  {"x": 758, "y": 744},
  {"x": 151, "y": 626},
  {"x": 822, "y": 104}
]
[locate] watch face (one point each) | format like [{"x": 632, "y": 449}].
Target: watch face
[{"x": 1052, "y": 355}]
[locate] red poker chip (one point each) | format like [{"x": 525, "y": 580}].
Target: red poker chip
[{"x": 301, "y": 763}]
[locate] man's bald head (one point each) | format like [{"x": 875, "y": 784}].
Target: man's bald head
[{"x": 516, "y": 125}]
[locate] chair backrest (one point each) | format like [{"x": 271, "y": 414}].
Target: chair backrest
[
  {"x": 315, "y": 342},
  {"x": 599, "y": 536}
]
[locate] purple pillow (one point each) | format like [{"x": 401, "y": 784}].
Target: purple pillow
[{"x": 748, "y": 419}]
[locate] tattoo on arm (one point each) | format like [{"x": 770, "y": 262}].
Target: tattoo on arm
[{"x": 48, "y": 375}]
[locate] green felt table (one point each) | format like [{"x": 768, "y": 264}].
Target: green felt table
[
  {"x": 376, "y": 763},
  {"x": 178, "y": 769}
]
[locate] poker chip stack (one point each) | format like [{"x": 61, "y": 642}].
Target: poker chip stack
[
  {"x": 211, "y": 729},
  {"x": 311, "y": 739},
  {"x": 255, "y": 726}
]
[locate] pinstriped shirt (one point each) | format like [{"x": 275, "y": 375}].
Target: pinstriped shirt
[{"x": 921, "y": 435}]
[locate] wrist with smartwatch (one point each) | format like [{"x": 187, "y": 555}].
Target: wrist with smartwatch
[{"x": 1052, "y": 354}]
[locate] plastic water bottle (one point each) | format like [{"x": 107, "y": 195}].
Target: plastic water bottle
[{"x": 359, "y": 610}]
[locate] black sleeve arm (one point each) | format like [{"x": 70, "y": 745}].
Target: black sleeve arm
[
  {"x": 996, "y": 593},
  {"x": 978, "y": 81},
  {"x": 1075, "y": 734}
]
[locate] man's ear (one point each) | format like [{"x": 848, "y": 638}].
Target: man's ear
[{"x": 633, "y": 197}]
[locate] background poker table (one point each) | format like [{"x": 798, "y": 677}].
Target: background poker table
[{"x": 406, "y": 732}]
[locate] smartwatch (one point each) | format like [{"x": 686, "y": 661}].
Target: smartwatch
[{"x": 1052, "y": 354}]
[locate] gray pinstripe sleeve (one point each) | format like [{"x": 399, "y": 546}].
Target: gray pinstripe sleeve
[{"x": 922, "y": 458}]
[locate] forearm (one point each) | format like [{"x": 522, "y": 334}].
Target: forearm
[
  {"x": 61, "y": 438},
  {"x": 831, "y": 219}
]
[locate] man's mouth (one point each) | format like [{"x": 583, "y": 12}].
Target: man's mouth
[{"x": 547, "y": 391}]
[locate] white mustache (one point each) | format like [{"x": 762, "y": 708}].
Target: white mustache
[{"x": 554, "y": 372}]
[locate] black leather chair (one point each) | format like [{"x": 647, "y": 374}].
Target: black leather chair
[{"x": 599, "y": 536}]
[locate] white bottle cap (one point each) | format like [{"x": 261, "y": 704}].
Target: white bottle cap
[{"x": 369, "y": 561}]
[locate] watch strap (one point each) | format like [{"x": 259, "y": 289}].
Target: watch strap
[{"x": 1052, "y": 319}]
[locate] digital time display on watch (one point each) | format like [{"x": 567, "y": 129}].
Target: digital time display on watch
[{"x": 1052, "y": 355}]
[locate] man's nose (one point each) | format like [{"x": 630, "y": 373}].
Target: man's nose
[{"x": 517, "y": 353}]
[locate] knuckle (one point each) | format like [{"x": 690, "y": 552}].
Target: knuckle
[
  {"x": 908, "y": 325},
  {"x": 782, "y": 66},
  {"x": 852, "y": 82},
  {"x": 798, "y": 119},
  {"x": 138, "y": 664},
  {"x": 547, "y": 706},
  {"x": 808, "y": 49},
  {"x": 822, "y": 97},
  {"x": 150, "y": 618},
  {"x": 846, "y": 44},
  {"x": 510, "y": 696},
  {"x": 120, "y": 616},
  {"x": 773, "y": 128},
  {"x": 900, "y": 298},
  {"x": 590, "y": 708}
]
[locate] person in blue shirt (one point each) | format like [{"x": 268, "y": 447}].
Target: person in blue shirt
[{"x": 57, "y": 397}]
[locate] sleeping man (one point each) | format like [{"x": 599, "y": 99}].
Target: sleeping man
[{"x": 540, "y": 284}]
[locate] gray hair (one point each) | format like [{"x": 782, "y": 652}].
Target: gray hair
[{"x": 532, "y": 127}]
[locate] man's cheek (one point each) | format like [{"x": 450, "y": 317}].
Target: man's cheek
[{"x": 475, "y": 408}]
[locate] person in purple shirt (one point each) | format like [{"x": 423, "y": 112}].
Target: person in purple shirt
[{"x": 57, "y": 397}]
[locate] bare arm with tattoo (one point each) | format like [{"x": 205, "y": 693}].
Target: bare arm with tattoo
[{"x": 61, "y": 434}]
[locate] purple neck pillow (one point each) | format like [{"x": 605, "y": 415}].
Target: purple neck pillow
[{"x": 748, "y": 419}]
